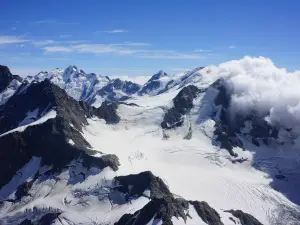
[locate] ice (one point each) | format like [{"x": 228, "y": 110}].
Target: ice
[
  {"x": 24, "y": 174},
  {"x": 50, "y": 115}
]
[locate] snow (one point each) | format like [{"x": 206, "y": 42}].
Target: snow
[
  {"x": 9, "y": 91},
  {"x": 24, "y": 174},
  {"x": 193, "y": 169},
  {"x": 49, "y": 115}
]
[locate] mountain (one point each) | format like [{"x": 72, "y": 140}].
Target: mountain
[
  {"x": 199, "y": 148},
  {"x": 8, "y": 84}
]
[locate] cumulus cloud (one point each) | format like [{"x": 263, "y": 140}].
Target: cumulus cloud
[{"x": 256, "y": 84}]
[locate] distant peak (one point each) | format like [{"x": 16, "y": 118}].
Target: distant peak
[
  {"x": 72, "y": 67},
  {"x": 158, "y": 75}
]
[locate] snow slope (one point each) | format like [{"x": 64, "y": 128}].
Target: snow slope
[{"x": 261, "y": 178}]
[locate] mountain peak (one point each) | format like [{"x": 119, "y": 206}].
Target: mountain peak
[{"x": 158, "y": 75}]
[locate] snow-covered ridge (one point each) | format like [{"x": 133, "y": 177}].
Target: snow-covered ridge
[{"x": 223, "y": 148}]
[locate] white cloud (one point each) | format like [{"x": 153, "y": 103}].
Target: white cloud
[
  {"x": 232, "y": 46},
  {"x": 45, "y": 21},
  {"x": 115, "y": 31},
  {"x": 52, "y": 49},
  {"x": 135, "y": 44},
  {"x": 45, "y": 42},
  {"x": 201, "y": 50},
  {"x": 122, "y": 49},
  {"x": 256, "y": 84},
  {"x": 11, "y": 40},
  {"x": 13, "y": 28}
]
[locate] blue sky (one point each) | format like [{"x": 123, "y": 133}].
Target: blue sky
[{"x": 139, "y": 37}]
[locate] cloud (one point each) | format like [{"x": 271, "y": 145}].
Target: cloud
[
  {"x": 136, "y": 44},
  {"x": 11, "y": 40},
  {"x": 232, "y": 46},
  {"x": 45, "y": 42},
  {"x": 122, "y": 49},
  {"x": 115, "y": 31},
  {"x": 52, "y": 49},
  {"x": 201, "y": 50},
  {"x": 45, "y": 21},
  {"x": 257, "y": 85}
]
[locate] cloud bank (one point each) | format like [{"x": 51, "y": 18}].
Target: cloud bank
[{"x": 256, "y": 84}]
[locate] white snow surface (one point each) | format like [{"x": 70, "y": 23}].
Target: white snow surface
[
  {"x": 193, "y": 169},
  {"x": 28, "y": 121},
  {"x": 9, "y": 91}
]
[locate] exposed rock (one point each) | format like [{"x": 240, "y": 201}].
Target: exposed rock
[
  {"x": 161, "y": 209},
  {"x": 44, "y": 96},
  {"x": 136, "y": 184},
  {"x": 206, "y": 213},
  {"x": 245, "y": 218},
  {"x": 224, "y": 130},
  {"x": 6, "y": 77},
  {"x": 111, "y": 90},
  {"x": 154, "y": 84},
  {"x": 183, "y": 103},
  {"x": 50, "y": 142}
]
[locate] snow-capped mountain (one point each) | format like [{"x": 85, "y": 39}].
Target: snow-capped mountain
[{"x": 210, "y": 146}]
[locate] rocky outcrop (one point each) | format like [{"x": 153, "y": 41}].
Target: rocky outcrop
[
  {"x": 159, "y": 209},
  {"x": 245, "y": 218},
  {"x": 225, "y": 132},
  {"x": 141, "y": 182},
  {"x": 154, "y": 85},
  {"x": 6, "y": 77},
  {"x": 112, "y": 90},
  {"x": 36, "y": 99},
  {"x": 183, "y": 103},
  {"x": 163, "y": 206},
  {"x": 49, "y": 141},
  {"x": 207, "y": 213}
]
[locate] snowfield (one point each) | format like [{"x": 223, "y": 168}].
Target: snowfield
[
  {"x": 193, "y": 169},
  {"x": 261, "y": 178}
]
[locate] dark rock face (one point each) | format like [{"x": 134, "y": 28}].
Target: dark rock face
[
  {"x": 126, "y": 87},
  {"x": 46, "y": 219},
  {"x": 44, "y": 96},
  {"x": 153, "y": 83},
  {"x": 141, "y": 182},
  {"x": 245, "y": 218},
  {"x": 150, "y": 86},
  {"x": 50, "y": 142},
  {"x": 6, "y": 77},
  {"x": 160, "y": 209},
  {"x": 183, "y": 103},
  {"x": 162, "y": 204},
  {"x": 206, "y": 213},
  {"x": 224, "y": 130}
]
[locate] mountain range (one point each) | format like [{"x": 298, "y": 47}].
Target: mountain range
[{"x": 195, "y": 148}]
